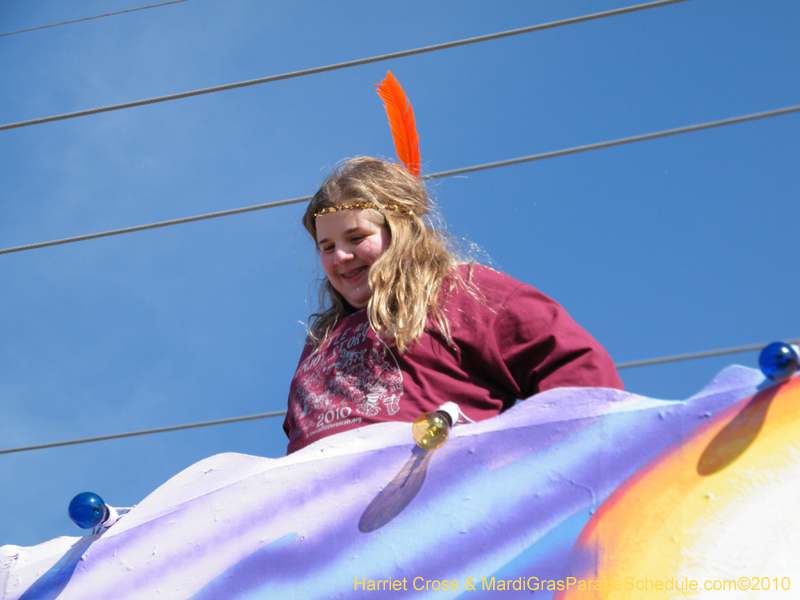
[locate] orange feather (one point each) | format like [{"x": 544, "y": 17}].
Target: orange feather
[{"x": 401, "y": 120}]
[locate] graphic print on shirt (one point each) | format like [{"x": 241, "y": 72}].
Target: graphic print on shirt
[{"x": 353, "y": 378}]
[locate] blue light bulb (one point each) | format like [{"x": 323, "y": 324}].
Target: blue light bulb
[
  {"x": 778, "y": 361},
  {"x": 87, "y": 510}
]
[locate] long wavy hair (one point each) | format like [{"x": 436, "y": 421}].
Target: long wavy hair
[{"x": 406, "y": 280}]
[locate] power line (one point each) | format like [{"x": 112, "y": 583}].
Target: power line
[
  {"x": 494, "y": 165},
  {"x": 343, "y": 65},
  {"x": 119, "y": 12},
  {"x": 620, "y": 142},
  {"x": 117, "y": 436},
  {"x": 92, "y": 236},
  {"x": 638, "y": 363},
  {"x": 694, "y": 355}
]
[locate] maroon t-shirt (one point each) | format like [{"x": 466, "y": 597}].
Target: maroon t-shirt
[{"x": 510, "y": 341}]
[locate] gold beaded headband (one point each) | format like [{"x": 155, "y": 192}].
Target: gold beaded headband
[{"x": 351, "y": 205}]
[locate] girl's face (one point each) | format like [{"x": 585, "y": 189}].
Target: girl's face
[{"x": 349, "y": 242}]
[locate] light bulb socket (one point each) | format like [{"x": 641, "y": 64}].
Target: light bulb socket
[
  {"x": 112, "y": 516},
  {"x": 451, "y": 411}
]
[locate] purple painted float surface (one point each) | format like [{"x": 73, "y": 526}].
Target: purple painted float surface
[{"x": 507, "y": 497}]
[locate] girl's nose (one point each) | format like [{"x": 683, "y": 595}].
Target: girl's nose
[{"x": 341, "y": 256}]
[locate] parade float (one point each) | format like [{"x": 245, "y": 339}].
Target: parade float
[{"x": 574, "y": 493}]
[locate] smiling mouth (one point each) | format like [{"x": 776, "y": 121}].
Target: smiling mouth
[{"x": 355, "y": 273}]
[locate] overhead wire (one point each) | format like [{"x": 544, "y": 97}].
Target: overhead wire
[
  {"x": 92, "y": 236},
  {"x": 621, "y": 141},
  {"x": 638, "y": 363},
  {"x": 117, "y": 436},
  {"x": 694, "y": 355},
  {"x": 343, "y": 65},
  {"x": 119, "y": 12},
  {"x": 493, "y": 165}
]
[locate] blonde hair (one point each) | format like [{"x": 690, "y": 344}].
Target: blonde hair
[{"x": 407, "y": 278}]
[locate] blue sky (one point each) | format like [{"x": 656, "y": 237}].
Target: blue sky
[{"x": 664, "y": 247}]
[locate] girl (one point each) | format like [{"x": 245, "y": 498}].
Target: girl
[{"x": 405, "y": 325}]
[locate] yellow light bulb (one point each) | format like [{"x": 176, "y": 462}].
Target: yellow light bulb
[{"x": 431, "y": 430}]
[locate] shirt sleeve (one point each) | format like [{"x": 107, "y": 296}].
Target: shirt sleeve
[
  {"x": 543, "y": 348},
  {"x": 290, "y": 426}
]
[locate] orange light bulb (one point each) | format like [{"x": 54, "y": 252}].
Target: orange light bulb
[{"x": 431, "y": 430}]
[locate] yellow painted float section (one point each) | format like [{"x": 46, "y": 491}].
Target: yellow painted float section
[{"x": 713, "y": 517}]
